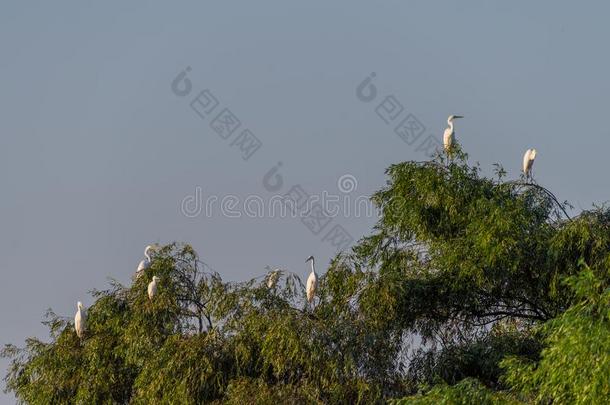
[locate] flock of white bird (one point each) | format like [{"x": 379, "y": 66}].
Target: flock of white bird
[
  {"x": 81, "y": 316},
  {"x": 272, "y": 279},
  {"x": 449, "y": 141}
]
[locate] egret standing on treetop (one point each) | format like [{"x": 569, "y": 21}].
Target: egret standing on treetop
[
  {"x": 79, "y": 320},
  {"x": 528, "y": 162},
  {"x": 152, "y": 287},
  {"x": 144, "y": 264},
  {"x": 449, "y": 135},
  {"x": 312, "y": 281}
]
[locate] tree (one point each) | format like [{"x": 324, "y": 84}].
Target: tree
[
  {"x": 455, "y": 295},
  {"x": 575, "y": 362}
]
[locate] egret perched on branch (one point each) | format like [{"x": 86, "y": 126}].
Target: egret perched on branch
[
  {"x": 312, "y": 281},
  {"x": 528, "y": 162},
  {"x": 79, "y": 320},
  {"x": 273, "y": 277},
  {"x": 449, "y": 135},
  {"x": 152, "y": 287},
  {"x": 144, "y": 264}
]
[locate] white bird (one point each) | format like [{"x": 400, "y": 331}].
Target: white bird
[
  {"x": 144, "y": 264},
  {"x": 449, "y": 135},
  {"x": 528, "y": 161},
  {"x": 152, "y": 287},
  {"x": 312, "y": 281},
  {"x": 273, "y": 277},
  {"x": 79, "y": 320}
]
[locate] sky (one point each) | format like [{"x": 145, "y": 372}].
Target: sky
[{"x": 130, "y": 123}]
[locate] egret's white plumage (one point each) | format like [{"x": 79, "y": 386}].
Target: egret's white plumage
[
  {"x": 449, "y": 134},
  {"x": 152, "y": 287},
  {"x": 273, "y": 277},
  {"x": 79, "y": 320},
  {"x": 144, "y": 264},
  {"x": 312, "y": 281},
  {"x": 528, "y": 161}
]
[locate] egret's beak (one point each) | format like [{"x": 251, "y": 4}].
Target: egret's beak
[{"x": 459, "y": 116}]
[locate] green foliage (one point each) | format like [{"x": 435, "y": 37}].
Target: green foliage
[
  {"x": 458, "y": 296},
  {"x": 242, "y": 391},
  {"x": 575, "y": 363},
  {"x": 478, "y": 358},
  {"x": 467, "y": 392},
  {"x": 203, "y": 340}
]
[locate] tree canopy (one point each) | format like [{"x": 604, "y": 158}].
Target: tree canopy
[{"x": 469, "y": 289}]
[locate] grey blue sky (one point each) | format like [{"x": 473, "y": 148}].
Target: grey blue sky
[{"x": 97, "y": 153}]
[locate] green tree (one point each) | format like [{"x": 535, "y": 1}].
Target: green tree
[
  {"x": 575, "y": 363},
  {"x": 458, "y": 295}
]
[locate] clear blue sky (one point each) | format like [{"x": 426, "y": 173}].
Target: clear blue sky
[{"x": 97, "y": 152}]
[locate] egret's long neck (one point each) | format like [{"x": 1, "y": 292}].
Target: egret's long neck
[
  {"x": 313, "y": 268},
  {"x": 450, "y": 122},
  {"x": 147, "y": 255}
]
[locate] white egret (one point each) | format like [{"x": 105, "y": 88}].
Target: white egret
[
  {"x": 273, "y": 277},
  {"x": 144, "y": 264},
  {"x": 312, "y": 281},
  {"x": 152, "y": 287},
  {"x": 528, "y": 162},
  {"x": 79, "y": 320},
  {"x": 449, "y": 135}
]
